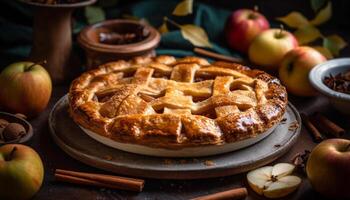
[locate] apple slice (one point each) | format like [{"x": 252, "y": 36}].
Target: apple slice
[{"x": 274, "y": 181}]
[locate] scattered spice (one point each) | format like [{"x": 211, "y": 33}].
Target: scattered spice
[
  {"x": 339, "y": 82},
  {"x": 108, "y": 157},
  {"x": 114, "y": 38},
  {"x": 293, "y": 126},
  {"x": 168, "y": 161},
  {"x": 300, "y": 159},
  {"x": 277, "y": 145},
  {"x": 209, "y": 163},
  {"x": 284, "y": 120},
  {"x": 183, "y": 161}
]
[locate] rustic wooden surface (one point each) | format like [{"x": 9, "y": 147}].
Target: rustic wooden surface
[{"x": 53, "y": 157}]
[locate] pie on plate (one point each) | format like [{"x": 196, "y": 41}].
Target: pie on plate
[{"x": 170, "y": 103}]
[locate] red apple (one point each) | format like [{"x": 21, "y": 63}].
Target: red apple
[
  {"x": 242, "y": 27},
  {"x": 21, "y": 172},
  {"x": 295, "y": 67},
  {"x": 328, "y": 168},
  {"x": 268, "y": 48},
  {"x": 25, "y": 88}
]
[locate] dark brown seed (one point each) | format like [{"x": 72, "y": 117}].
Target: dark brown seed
[
  {"x": 20, "y": 115},
  {"x": 13, "y": 131},
  {"x": 1, "y": 135},
  {"x": 3, "y": 123}
]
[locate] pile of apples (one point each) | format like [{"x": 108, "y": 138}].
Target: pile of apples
[
  {"x": 25, "y": 87},
  {"x": 272, "y": 49}
]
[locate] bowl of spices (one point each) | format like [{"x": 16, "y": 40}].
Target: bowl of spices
[
  {"x": 14, "y": 129},
  {"x": 332, "y": 79},
  {"x": 117, "y": 39}
]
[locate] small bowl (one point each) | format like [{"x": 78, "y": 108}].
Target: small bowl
[
  {"x": 98, "y": 53},
  {"x": 339, "y": 100},
  {"x": 14, "y": 119}
]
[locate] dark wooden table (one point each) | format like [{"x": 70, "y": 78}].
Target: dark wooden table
[{"x": 53, "y": 157}]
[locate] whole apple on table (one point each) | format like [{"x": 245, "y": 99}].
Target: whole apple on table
[
  {"x": 269, "y": 47},
  {"x": 295, "y": 67},
  {"x": 328, "y": 168},
  {"x": 242, "y": 27},
  {"x": 25, "y": 88},
  {"x": 21, "y": 172}
]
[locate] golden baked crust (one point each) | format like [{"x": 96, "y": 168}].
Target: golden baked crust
[{"x": 169, "y": 103}]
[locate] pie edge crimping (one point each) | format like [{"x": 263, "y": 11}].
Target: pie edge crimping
[{"x": 174, "y": 131}]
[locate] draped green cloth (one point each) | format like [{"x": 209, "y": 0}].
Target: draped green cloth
[{"x": 16, "y": 31}]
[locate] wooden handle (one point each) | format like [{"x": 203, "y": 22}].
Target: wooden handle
[{"x": 217, "y": 56}]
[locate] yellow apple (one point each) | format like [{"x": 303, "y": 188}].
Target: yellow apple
[
  {"x": 328, "y": 168},
  {"x": 295, "y": 67},
  {"x": 269, "y": 47},
  {"x": 25, "y": 88},
  {"x": 21, "y": 172}
]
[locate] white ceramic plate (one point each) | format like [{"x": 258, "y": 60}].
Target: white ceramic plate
[
  {"x": 76, "y": 143},
  {"x": 184, "y": 152}
]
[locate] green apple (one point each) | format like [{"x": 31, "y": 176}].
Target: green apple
[
  {"x": 269, "y": 47},
  {"x": 295, "y": 67},
  {"x": 25, "y": 88},
  {"x": 328, "y": 168},
  {"x": 21, "y": 172}
]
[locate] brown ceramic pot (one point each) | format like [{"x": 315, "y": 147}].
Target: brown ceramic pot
[
  {"x": 52, "y": 39},
  {"x": 98, "y": 53}
]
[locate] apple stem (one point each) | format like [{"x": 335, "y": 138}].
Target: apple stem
[
  {"x": 36, "y": 63},
  {"x": 281, "y": 30},
  {"x": 9, "y": 157},
  {"x": 348, "y": 147},
  {"x": 256, "y": 8}
]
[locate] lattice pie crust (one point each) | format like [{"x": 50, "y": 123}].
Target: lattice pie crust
[{"x": 169, "y": 103}]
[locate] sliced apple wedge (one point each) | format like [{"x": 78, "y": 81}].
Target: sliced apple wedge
[{"x": 274, "y": 181}]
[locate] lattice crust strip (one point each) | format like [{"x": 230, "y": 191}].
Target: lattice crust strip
[{"x": 164, "y": 102}]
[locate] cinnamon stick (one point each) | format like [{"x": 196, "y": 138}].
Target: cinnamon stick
[
  {"x": 328, "y": 126},
  {"x": 233, "y": 194},
  {"x": 100, "y": 180},
  {"x": 217, "y": 56},
  {"x": 311, "y": 127}
]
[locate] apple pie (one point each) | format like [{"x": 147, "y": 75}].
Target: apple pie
[{"x": 171, "y": 103}]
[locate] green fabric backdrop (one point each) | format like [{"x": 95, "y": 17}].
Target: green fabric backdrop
[{"x": 16, "y": 31}]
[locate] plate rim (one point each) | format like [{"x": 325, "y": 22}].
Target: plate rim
[{"x": 164, "y": 171}]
